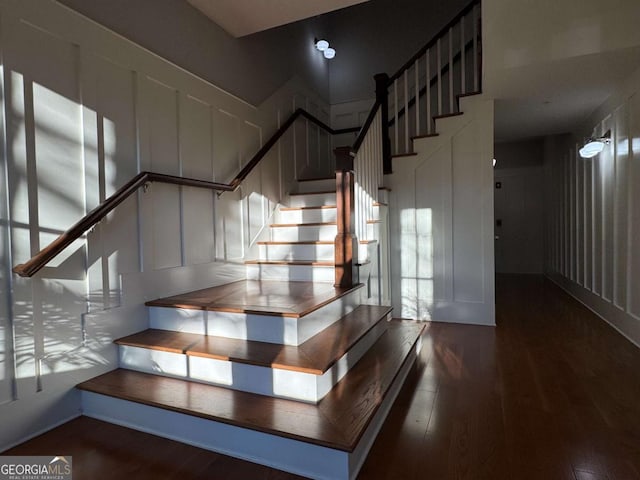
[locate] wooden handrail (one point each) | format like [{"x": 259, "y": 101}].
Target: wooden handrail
[
  {"x": 44, "y": 256},
  {"x": 365, "y": 127},
  {"x": 276, "y": 136},
  {"x": 434, "y": 39}
]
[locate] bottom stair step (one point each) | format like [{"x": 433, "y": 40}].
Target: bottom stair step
[{"x": 328, "y": 440}]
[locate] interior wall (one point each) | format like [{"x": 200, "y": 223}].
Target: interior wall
[
  {"x": 251, "y": 67},
  {"x": 441, "y": 221},
  {"x": 84, "y": 110},
  {"x": 593, "y": 212},
  {"x": 380, "y": 36},
  {"x": 519, "y": 207}
]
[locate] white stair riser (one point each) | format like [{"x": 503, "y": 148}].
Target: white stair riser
[
  {"x": 373, "y": 230},
  {"x": 317, "y": 185},
  {"x": 297, "y": 252},
  {"x": 376, "y": 212},
  {"x": 291, "y": 252},
  {"x": 286, "y": 454},
  {"x": 312, "y": 200},
  {"x": 301, "y": 386},
  {"x": 304, "y": 233},
  {"x": 262, "y": 328},
  {"x": 292, "y": 273},
  {"x": 307, "y": 216}
]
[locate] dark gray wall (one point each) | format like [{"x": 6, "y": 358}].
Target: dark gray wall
[
  {"x": 251, "y": 67},
  {"x": 380, "y": 36},
  {"x": 372, "y": 37},
  {"x": 525, "y": 153},
  {"x": 519, "y": 206}
]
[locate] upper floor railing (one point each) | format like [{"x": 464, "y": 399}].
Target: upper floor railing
[{"x": 429, "y": 84}]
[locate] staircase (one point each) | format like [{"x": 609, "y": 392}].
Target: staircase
[
  {"x": 282, "y": 369},
  {"x": 292, "y": 367}
]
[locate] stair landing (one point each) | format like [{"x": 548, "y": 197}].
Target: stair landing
[{"x": 266, "y": 297}]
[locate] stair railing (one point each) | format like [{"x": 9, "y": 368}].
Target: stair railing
[
  {"x": 44, "y": 256},
  {"x": 429, "y": 84},
  {"x": 425, "y": 87}
]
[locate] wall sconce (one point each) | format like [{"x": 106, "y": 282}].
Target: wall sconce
[
  {"x": 593, "y": 146},
  {"x": 323, "y": 46}
]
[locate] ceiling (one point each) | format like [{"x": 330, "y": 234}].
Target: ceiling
[
  {"x": 244, "y": 17},
  {"x": 550, "y": 64}
]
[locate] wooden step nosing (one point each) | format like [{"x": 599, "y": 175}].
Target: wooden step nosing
[
  {"x": 315, "y": 179},
  {"x": 316, "y": 207},
  {"x": 407, "y": 154},
  {"x": 326, "y": 192},
  {"x": 469, "y": 94},
  {"x": 291, "y": 263},
  {"x": 428, "y": 135},
  {"x": 448, "y": 115},
  {"x": 309, "y": 242},
  {"x": 310, "y": 224}
]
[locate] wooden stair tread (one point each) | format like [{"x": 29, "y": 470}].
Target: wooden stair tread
[
  {"x": 407, "y": 154},
  {"x": 297, "y": 194},
  {"x": 317, "y": 207},
  {"x": 261, "y": 297},
  {"x": 338, "y": 421},
  {"x": 469, "y": 94},
  {"x": 308, "y": 242},
  {"x": 427, "y": 135},
  {"x": 315, "y": 356},
  {"x": 302, "y": 224},
  {"x": 448, "y": 115},
  {"x": 304, "y": 263},
  {"x": 316, "y": 179}
]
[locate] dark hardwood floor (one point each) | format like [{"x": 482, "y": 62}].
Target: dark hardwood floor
[{"x": 552, "y": 393}]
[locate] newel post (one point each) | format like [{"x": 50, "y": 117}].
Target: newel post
[
  {"x": 346, "y": 243},
  {"x": 382, "y": 97}
]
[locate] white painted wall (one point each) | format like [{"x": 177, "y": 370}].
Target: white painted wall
[
  {"x": 519, "y": 204},
  {"x": 84, "y": 110},
  {"x": 441, "y": 221},
  {"x": 593, "y": 213}
]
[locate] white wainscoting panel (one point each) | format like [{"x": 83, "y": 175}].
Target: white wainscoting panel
[{"x": 85, "y": 110}]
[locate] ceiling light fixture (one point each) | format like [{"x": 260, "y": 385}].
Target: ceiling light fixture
[
  {"x": 329, "y": 53},
  {"x": 593, "y": 146},
  {"x": 322, "y": 45}
]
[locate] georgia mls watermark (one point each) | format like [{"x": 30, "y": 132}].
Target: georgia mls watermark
[{"x": 54, "y": 467}]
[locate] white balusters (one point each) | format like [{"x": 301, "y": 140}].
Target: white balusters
[
  {"x": 448, "y": 55},
  {"x": 439, "y": 67},
  {"x": 368, "y": 176},
  {"x": 396, "y": 120},
  {"x": 417, "y": 95},
  {"x": 476, "y": 80},
  {"x": 450, "y": 75},
  {"x": 406, "y": 110},
  {"x": 429, "y": 119}
]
